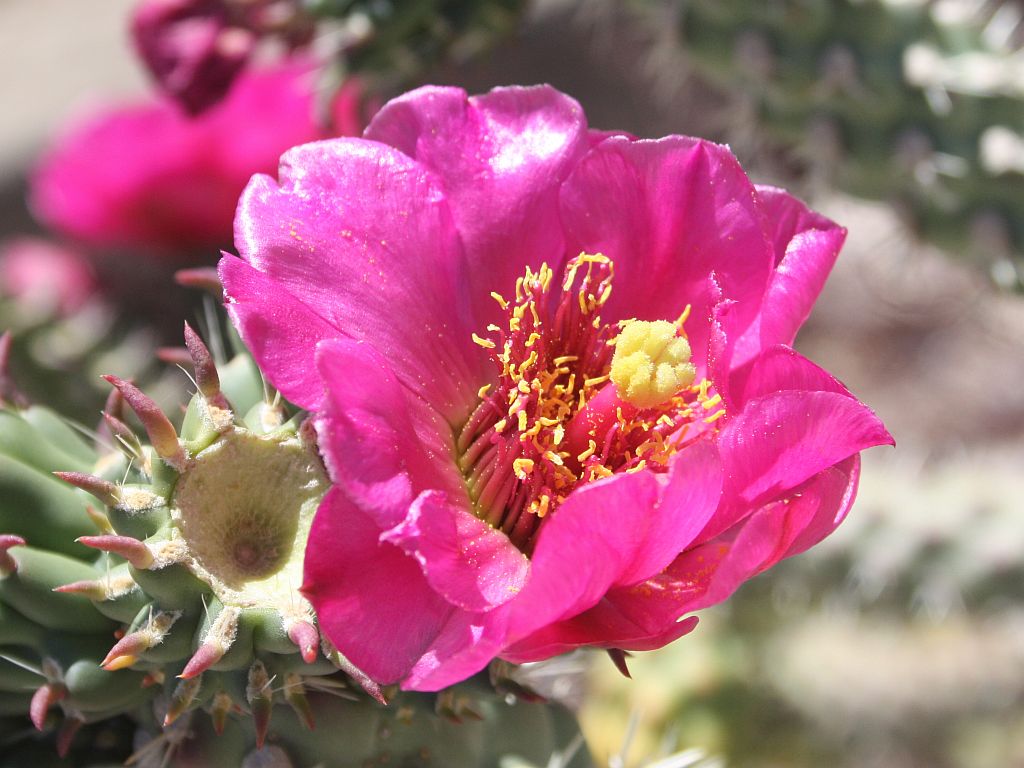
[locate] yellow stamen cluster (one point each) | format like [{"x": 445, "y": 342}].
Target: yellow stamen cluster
[{"x": 521, "y": 450}]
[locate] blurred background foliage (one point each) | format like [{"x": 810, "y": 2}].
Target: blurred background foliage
[{"x": 896, "y": 643}]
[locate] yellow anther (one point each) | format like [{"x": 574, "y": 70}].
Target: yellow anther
[
  {"x": 554, "y": 458},
  {"x": 565, "y": 359},
  {"x": 595, "y": 381},
  {"x": 502, "y": 302},
  {"x": 521, "y": 416},
  {"x": 711, "y": 402},
  {"x": 499, "y": 426},
  {"x": 651, "y": 363},
  {"x": 482, "y": 392},
  {"x": 715, "y": 417},
  {"x": 522, "y": 468},
  {"x": 591, "y": 449},
  {"x": 485, "y": 343}
]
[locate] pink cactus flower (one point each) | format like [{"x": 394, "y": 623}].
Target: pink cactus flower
[
  {"x": 44, "y": 277},
  {"x": 148, "y": 178},
  {"x": 551, "y": 375}
]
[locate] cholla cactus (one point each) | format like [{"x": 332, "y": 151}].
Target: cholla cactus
[
  {"x": 189, "y": 619},
  {"x": 911, "y": 102}
]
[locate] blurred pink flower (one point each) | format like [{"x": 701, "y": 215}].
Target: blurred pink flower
[
  {"x": 147, "y": 177},
  {"x": 495, "y": 493},
  {"x": 44, "y": 276},
  {"x": 191, "y": 49}
]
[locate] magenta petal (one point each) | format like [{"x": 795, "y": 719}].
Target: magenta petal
[
  {"x": 380, "y": 442},
  {"x": 781, "y": 368},
  {"x": 806, "y": 247},
  {"x": 590, "y": 541},
  {"x": 781, "y": 440},
  {"x": 284, "y": 330},
  {"x": 364, "y": 236},
  {"x": 670, "y": 213},
  {"x": 467, "y": 561},
  {"x": 829, "y": 497},
  {"x": 371, "y": 600},
  {"x": 500, "y": 157},
  {"x": 710, "y": 573},
  {"x": 603, "y": 626},
  {"x": 688, "y": 500},
  {"x": 467, "y": 644}
]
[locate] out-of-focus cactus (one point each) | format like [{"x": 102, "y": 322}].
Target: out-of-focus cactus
[
  {"x": 912, "y": 102},
  {"x": 157, "y": 577}
]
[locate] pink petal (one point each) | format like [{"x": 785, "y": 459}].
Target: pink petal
[
  {"x": 603, "y": 626},
  {"x": 467, "y": 644},
  {"x": 612, "y": 532},
  {"x": 284, "y": 330},
  {"x": 380, "y": 442},
  {"x": 710, "y": 573},
  {"x": 500, "y": 157},
  {"x": 363, "y": 235},
  {"x": 688, "y": 499},
  {"x": 781, "y": 440},
  {"x": 806, "y": 246},
  {"x": 670, "y": 213},
  {"x": 590, "y": 540},
  {"x": 781, "y": 368},
  {"x": 467, "y": 561},
  {"x": 371, "y": 600}
]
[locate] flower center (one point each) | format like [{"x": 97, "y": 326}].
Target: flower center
[{"x": 577, "y": 399}]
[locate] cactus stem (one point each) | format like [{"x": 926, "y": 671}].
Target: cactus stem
[
  {"x": 219, "y": 711},
  {"x": 104, "y": 490},
  {"x": 8, "y": 564},
  {"x": 45, "y": 697},
  {"x": 67, "y": 732},
  {"x": 205, "y": 369},
  {"x": 203, "y": 278},
  {"x": 132, "y": 550},
  {"x": 259, "y": 695},
  {"x": 161, "y": 432},
  {"x": 295, "y": 695},
  {"x": 182, "y": 698},
  {"x": 305, "y": 636},
  {"x": 618, "y": 657}
]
